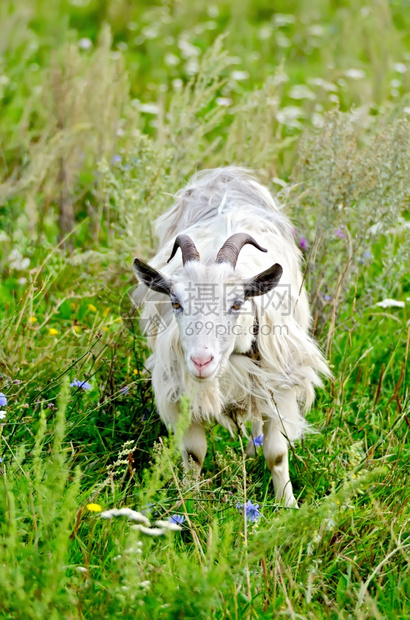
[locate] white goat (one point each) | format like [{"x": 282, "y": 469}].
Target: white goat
[{"x": 233, "y": 328}]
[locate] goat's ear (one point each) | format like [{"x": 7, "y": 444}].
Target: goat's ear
[
  {"x": 263, "y": 282},
  {"x": 151, "y": 277}
]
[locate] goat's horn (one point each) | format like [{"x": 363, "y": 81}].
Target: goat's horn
[
  {"x": 188, "y": 249},
  {"x": 229, "y": 252}
]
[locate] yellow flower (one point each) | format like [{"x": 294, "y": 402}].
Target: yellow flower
[
  {"x": 32, "y": 319},
  {"x": 77, "y": 329},
  {"x": 106, "y": 312},
  {"x": 94, "y": 507},
  {"x": 92, "y": 308},
  {"x": 52, "y": 332},
  {"x": 73, "y": 306},
  {"x": 136, "y": 371}
]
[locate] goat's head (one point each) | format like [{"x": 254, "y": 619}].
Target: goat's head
[{"x": 212, "y": 304}]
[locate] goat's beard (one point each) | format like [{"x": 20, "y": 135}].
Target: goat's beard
[{"x": 205, "y": 397}]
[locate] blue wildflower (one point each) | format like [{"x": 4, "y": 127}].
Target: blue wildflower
[
  {"x": 124, "y": 390},
  {"x": 148, "y": 508},
  {"x": 258, "y": 441},
  {"x": 117, "y": 159},
  {"x": 327, "y": 298},
  {"x": 1, "y": 460},
  {"x": 84, "y": 385},
  {"x": 303, "y": 243},
  {"x": 251, "y": 510},
  {"x": 177, "y": 519},
  {"x": 3, "y": 400}
]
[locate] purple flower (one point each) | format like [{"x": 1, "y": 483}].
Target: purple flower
[
  {"x": 84, "y": 385},
  {"x": 303, "y": 243},
  {"x": 1, "y": 460},
  {"x": 327, "y": 298},
  {"x": 251, "y": 510},
  {"x": 124, "y": 390},
  {"x": 177, "y": 519},
  {"x": 51, "y": 405},
  {"x": 148, "y": 508},
  {"x": 258, "y": 441},
  {"x": 3, "y": 400},
  {"x": 16, "y": 381},
  {"x": 117, "y": 159},
  {"x": 339, "y": 233}
]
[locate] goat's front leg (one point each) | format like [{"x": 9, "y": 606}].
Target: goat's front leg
[
  {"x": 257, "y": 428},
  {"x": 194, "y": 446},
  {"x": 275, "y": 450}
]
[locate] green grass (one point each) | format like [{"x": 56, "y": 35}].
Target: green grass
[{"x": 85, "y": 167}]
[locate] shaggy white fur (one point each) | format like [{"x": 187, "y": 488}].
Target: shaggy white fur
[{"x": 267, "y": 377}]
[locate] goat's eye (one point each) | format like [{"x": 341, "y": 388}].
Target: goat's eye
[
  {"x": 236, "y": 305},
  {"x": 176, "y": 305}
]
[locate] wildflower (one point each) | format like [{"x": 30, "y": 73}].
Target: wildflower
[
  {"x": 84, "y": 385},
  {"x": 339, "y": 233},
  {"x": 16, "y": 381},
  {"x": 176, "y": 519},
  {"x": 1, "y": 460},
  {"x": 327, "y": 298},
  {"x": 136, "y": 371},
  {"x": 92, "y": 308},
  {"x": 145, "y": 584},
  {"x": 239, "y": 75},
  {"x": 303, "y": 243},
  {"x": 258, "y": 441},
  {"x": 169, "y": 525},
  {"x": 391, "y": 303},
  {"x": 224, "y": 101},
  {"x": 150, "y": 531},
  {"x": 355, "y": 74},
  {"x": 16, "y": 261},
  {"x": 77, "y": 329},
  {"x": 251, "y": 510},
  {"x": 85, "y": 43},
  {"x": 51, "y": 405},
  {"x": 300, "y": 91},
  {"x": 52, "y": 332},
  {"x": 149, "y": 108},
  {"x": 3, "y": 400},
  {"x": 3, "y": 415},
  {"x": 106, "y": 312},
  {"x": 124, "y": 390},
  {"x": 133, "y": 515},
  {"x": 94, "y": 507},
  {"x": 32, "y": 319},
  {"x": 73, "y": 306},
  {"x": 148, "y": 508}
]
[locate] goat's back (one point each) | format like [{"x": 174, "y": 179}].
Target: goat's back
[{"x": 213, "y": 192}]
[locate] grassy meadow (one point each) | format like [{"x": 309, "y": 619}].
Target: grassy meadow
[{"x": 106, "y": 108}]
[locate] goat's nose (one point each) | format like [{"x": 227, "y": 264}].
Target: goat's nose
[{"x": 202, "y": 360}]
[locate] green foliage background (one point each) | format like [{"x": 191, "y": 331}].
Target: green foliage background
[{"x": 107, "y": 107}]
